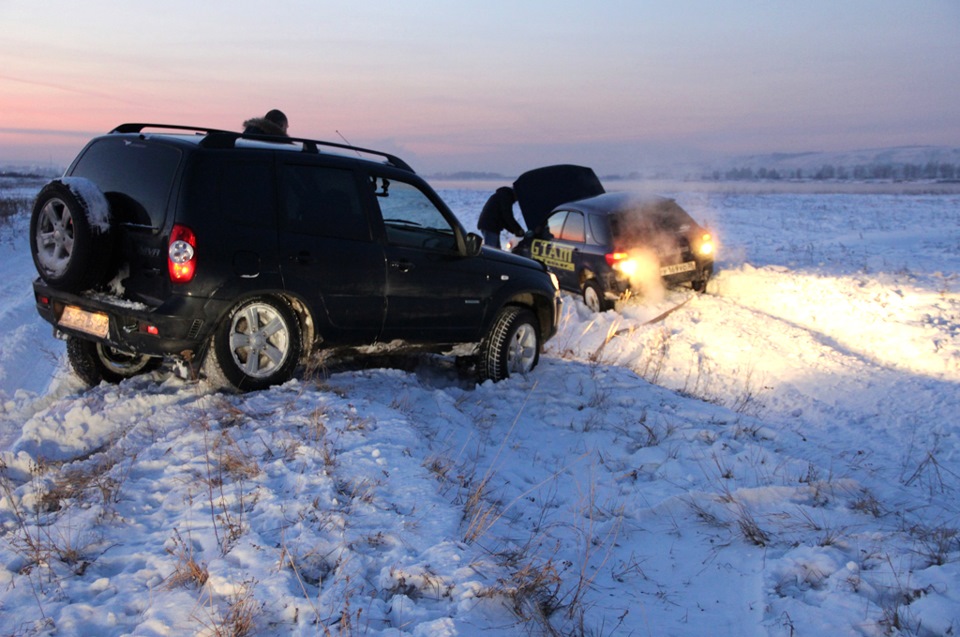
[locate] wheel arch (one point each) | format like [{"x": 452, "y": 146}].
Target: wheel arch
[
  {"x": 308, "y": 324},
  {"x": 301, "y": 309},
  {"x": 586, "y": 274},
  {"x": 541, "y": 306}
]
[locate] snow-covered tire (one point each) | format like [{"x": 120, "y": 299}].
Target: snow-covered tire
[
  {"x": 257, "y": 345},
  {"x": 95, "y": 362},
  {"x": 700, "y": 285},
  {"x": 70, "y": 234},
  {"x": 593, "y": 296},
  {"x": 511, "y": 347}
]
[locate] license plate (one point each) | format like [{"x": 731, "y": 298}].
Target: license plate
[
  {"x": 667, "y": 270},
  {"x": 93, "y": 323}
]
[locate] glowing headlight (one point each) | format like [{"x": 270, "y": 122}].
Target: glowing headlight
[{"x": 706, "y": 245}]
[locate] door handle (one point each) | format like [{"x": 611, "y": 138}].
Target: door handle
[
  {"x": 303, "y": 257},
  {"x": 402, "y": 266}
]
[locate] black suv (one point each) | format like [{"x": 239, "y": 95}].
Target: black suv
[
  {"x": 239, "y": 255},
  {"x": 606, "y": 245}
]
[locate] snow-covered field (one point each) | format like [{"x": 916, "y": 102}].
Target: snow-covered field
[{"x": 778, "y": 457}]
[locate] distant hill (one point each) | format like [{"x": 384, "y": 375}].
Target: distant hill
[{"x": 469, "y": 175}]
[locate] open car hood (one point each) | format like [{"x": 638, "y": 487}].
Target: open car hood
[{"x": 541, "y": 190}]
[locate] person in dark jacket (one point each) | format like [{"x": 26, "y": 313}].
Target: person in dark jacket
[
  {"x": 273, "y": 123},
  {"x": 497, "y": 215}
]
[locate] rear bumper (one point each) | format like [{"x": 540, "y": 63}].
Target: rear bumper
[
  {"x": 179, "y": 327},
  {"x": 615, "y": 285}
]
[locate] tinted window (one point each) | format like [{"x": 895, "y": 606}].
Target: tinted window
[
  {"x": 137, "y": 177},
  {"x": 239, "y": 192},
  {"x": 599, "y": 229},
  {"x": 323, "y": 202},
  {"x": 246, "y": 193}
]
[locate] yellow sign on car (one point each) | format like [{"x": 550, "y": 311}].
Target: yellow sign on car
[{"x": 552, "y": 254}]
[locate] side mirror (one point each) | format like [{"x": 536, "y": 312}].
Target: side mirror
[{"x": 473, "y": 242}]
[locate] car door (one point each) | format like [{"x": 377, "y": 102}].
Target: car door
[
  {"x": 434, "y": 292},
  {"x": 560, "y": 247},
  {"x": 328, "y": 252}
]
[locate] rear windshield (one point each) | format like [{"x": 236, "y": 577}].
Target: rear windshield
[
  {"x": 136, "y": 177},
  {"x": 651, "y": 218}
]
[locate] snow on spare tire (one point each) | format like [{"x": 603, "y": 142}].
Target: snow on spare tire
[{"x": 70, "y": 234}]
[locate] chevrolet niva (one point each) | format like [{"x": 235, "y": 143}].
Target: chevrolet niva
[{"x": 239, "y": 255}]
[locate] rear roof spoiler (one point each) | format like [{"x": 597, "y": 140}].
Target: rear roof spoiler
[{"x": 217, "y": 138}]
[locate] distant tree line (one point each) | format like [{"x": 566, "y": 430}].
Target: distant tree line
[
  {"x": 17, "y": 174},
  {"x": 8, "y": 172},
  {"x": 860, "y": 172}
]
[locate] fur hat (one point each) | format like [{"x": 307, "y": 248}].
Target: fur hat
[
  {"x": 273, "y": 123},
  {"x": 277, "y": 117}
]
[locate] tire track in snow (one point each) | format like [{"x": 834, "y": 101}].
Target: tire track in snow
[{"x": 810, "y": 382}]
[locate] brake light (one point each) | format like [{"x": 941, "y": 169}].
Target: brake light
[
  {"x": 613, "y": 258},
  {"x": 182, "y": 254},
  {"x": 623, "y": 263}
]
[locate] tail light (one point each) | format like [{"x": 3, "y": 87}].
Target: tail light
[
  {"x": 182, "y": 254},
  {"x": 622, "y": 262},
  {"x": 613, "y": 258}
]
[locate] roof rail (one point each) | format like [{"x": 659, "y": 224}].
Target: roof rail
[
  {"x": 137, "y": 128},
  {"x": 217, "y": 138}
]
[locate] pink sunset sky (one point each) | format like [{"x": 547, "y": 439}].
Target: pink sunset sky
[{"x": 494, "y": 85}]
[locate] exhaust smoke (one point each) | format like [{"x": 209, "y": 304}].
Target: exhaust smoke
[{"x": 642, "y": 267}]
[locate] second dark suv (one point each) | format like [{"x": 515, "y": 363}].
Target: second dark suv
[{"x": 242, "y": 254}]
